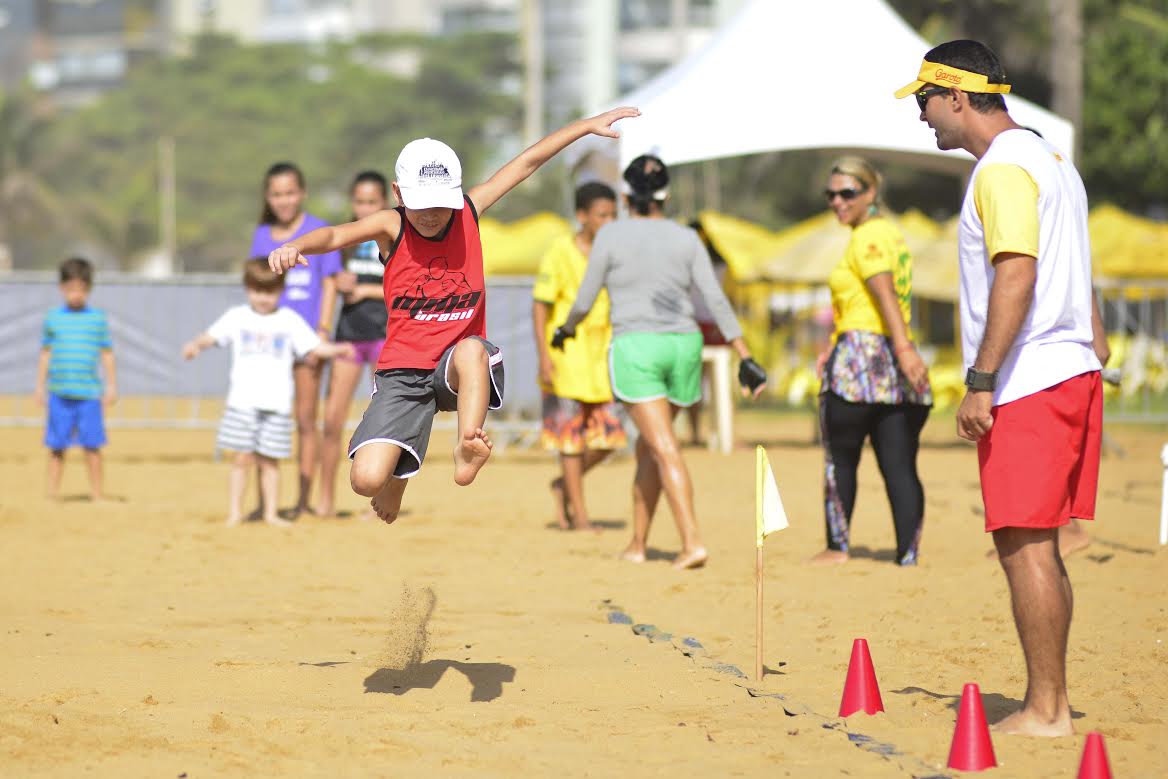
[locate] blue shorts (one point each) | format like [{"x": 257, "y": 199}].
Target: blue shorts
[{"x": 74, "y": 421}]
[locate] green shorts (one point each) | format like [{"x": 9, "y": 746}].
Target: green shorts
[{"x": 648, "y": 366}]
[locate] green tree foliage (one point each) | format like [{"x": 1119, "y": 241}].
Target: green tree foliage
[{"x": 233, "y": 110}]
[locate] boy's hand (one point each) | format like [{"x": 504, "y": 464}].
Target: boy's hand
[
  {"x": 190, "y": 350},
  {"x": 40, "y": 397},
  {"x": 285, "y": 258},
  {"x": 601, "y": 124},
  {"x": 547, "y": 372},
  {"x": 111, "y": 396}
]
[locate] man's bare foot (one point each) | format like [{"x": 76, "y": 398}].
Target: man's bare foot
[
  {"x": 829, "y": 557},
  {"x": 694, "y": 558},
  {"x": 471, "y": 455},
  {"x": 1026, "y": 723},
  {"x": 1072, "y": 538},
  {"x": 277, "y": 521},
  {"x": 561, "y": 502},
  {"x": 633, "y": 553}
]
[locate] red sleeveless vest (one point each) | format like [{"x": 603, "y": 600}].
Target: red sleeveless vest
[{"x": 434, "y": 292}]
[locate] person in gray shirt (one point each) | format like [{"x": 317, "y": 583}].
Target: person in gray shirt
[{"x": 650, "y": 265}]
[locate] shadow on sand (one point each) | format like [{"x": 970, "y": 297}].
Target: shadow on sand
[
  {"x": 487, "y": 679},
  {"x": 997, "y": 706}
]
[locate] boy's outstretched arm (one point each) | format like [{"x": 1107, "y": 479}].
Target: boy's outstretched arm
[
  {"x": 197, "y": 344},
  {"x": 109, "y": 365},
  {"x": 510, "y": 175},
  {"x": 383, "y": 225}
]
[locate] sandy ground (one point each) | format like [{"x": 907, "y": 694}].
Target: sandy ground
[{"x": 142, "y": 638}]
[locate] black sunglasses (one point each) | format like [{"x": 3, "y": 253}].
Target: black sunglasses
[
  {"x": 847, "y": 193},
  {"x": 924, "y": 95}
]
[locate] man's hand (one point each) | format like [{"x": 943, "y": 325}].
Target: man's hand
[
  {"x": 111, "y": 396},
  {"x": 601, "y": 124},
  {"x": 752, "y": 377},
  {"x": 973, "y": 416},
  {"x": 285, "y": 258},
  {"x": 560, "y": 335}
]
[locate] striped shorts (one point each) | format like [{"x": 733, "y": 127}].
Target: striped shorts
[{"x": 266, "y": 433}]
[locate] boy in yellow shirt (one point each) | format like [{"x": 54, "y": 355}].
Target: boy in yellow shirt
[{"x": 579, "y": 416}]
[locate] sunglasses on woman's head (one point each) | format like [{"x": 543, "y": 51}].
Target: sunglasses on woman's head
[
  {"x": 924, "y": 95},
  {"x": 847, "y": 193}
]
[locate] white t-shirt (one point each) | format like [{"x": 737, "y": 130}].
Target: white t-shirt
[
  {"x": 263, "y": 348},
  {"x": 1027, "y": 198}
]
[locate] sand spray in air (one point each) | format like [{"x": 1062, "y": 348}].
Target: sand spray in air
[{"x": 409, "y": 628}]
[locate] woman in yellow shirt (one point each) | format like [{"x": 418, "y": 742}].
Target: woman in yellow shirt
[
  {"x": 579, "y": 416},
  {"x": 875, "y": 385}
]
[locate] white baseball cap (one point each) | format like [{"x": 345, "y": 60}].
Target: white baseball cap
[{"x": 429, "y": 175}]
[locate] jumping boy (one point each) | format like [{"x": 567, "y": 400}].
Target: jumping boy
[
  {"x": 75, "y": 338},
  {"x": 436, "y": 356},
  {"x": 257, "y": 424}
]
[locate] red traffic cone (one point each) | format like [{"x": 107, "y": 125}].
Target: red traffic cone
[
  {"x": 972, "y": 749},
  {"x": 1094, "y": 764},
  {"x": 861, "y": 692}
]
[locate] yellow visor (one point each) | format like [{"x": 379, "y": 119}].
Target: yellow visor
[{"x": 949, "y": 76}]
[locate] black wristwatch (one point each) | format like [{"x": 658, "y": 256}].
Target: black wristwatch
[{"x": 982, "y": 381}]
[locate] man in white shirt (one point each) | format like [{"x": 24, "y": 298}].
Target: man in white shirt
[{"x": 1034, "y": 402}]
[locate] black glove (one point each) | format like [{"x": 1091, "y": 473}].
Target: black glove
[
  {"x": 750, "y": 374},
  {"x": 562, "y": 334}
]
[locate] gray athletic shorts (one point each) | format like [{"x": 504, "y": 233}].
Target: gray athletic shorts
[
  {"x": 404, "y": 402},
  {"x": 266, "y": 433}
]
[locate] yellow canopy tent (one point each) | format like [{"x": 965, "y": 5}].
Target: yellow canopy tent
[
  {"x": 515, "y": 249},
  {"x": 1125, "y": 246},
  {"x": 744, "y": 245}
]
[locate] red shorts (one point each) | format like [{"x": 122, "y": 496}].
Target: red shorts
[{"x": 1040, "y": 461}]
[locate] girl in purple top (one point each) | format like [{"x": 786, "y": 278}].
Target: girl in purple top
[{"x": 310, "y": 291}]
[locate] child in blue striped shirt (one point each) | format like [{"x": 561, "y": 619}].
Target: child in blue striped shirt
[{"x": 76, "y": 338}]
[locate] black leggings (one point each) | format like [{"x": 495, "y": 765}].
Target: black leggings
[{"x": 895, "y": 431}]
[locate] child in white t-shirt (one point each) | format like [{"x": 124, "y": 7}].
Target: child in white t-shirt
[{"x": 257, "y": 425}]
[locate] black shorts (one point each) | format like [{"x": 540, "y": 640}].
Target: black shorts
[{"x": 404, "y": 402}]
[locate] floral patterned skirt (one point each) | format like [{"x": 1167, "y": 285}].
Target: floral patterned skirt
[{"x": 863, "y": 369}]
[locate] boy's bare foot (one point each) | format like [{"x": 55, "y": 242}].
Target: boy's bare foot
[
  {"x": 633, "y": 553},
  {"x": 471, "y": 455},
  {"x": 387, "y": 502},
  {"x": 277, "y": 521},
  {"x": 561, "y": 501},
  {"x": 694, "y": 558},
  {"x": 585, "y": 524},
  {"x": 829, "y": 557},
  {"x": 1026, "y": 723},
  {"x": 325, "y": 510},
  {"x": 233, "y": 520}
]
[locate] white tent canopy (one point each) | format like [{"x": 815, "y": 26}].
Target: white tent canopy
[{"x": 785, "y": 75}]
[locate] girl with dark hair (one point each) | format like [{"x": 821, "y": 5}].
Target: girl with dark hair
[
  {"x": 361, "y": 323},
  {"x": 310, "y": 291},
  {"x": 649, "y": 264}
]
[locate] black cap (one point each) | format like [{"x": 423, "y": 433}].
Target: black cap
[{"x": 646, "y": 175}]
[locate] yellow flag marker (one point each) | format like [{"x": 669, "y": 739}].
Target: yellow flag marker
[{"x": 769, "y": 516}]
